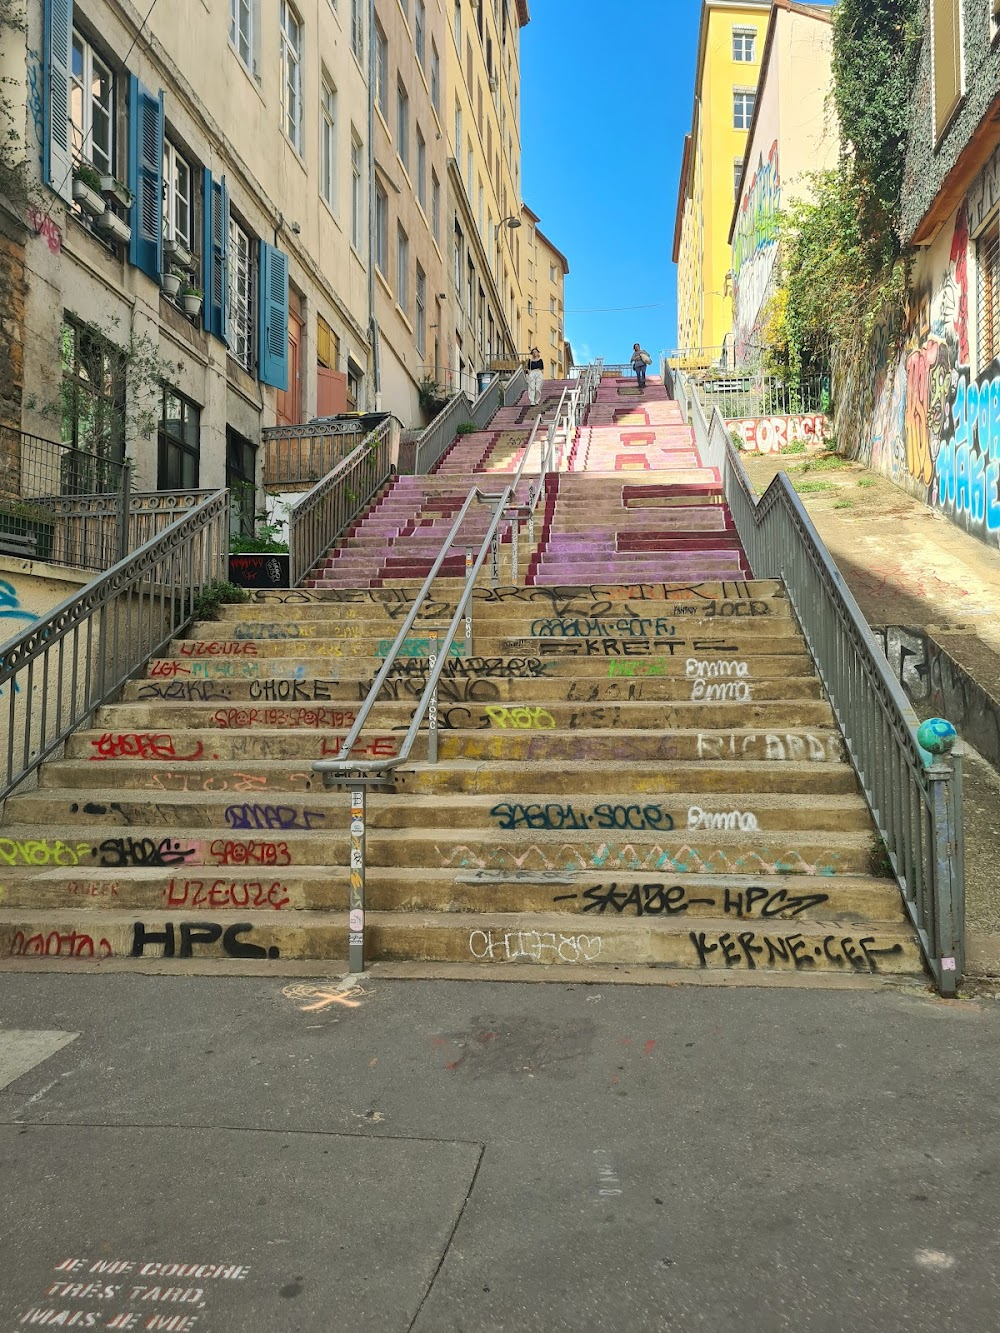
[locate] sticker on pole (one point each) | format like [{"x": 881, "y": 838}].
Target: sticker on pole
[
  {"x": 356, "y": 861},
  {"x": 948, "y": 965},
  {"x": 356, "y": 921},
  {"x": 357, "y": 828}
]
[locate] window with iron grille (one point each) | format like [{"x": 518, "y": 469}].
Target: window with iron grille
[
  {"x": 988, "y": 264},
  {"x": 241, "y": 340}
]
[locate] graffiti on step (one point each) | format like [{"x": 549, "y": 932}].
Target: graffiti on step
[
  {"x": 223, "y": 648},
  {"x": 521, "y": 719},
  {"x": 144, "y": 745},
  {"x": 751, "y": 950},
  {"x": 634, "y": 647},
  {"x": 226, "y": 894},
  {"x": 420, "y": 648},
  {"x": 93, "y": 888},
  {"x": 603, "y": 816},
  {"x": 225, "y": 852},
  {"x": 823, "y": 748},
  {"x": 168, "y": 942},
  {"x": 372, "y": 747},
  {"x": 473, "y": 690},
  {"x": 533, "y": 946},
  {"x": 251, "y": 782},
  {"x": 42, "y": 852},
  {"x": 142, "y": 852},
  {"x": 214, "y": 669},
  {"x": 569, "y": 857},
  {"x": 58, "y": 944},
  {"x": 314, "y": 718},
  {"x": 182, "y": 692},
  {"x": 294, "y": 691},
  {"x": 269, "y": 817},
  {"x": 742, "y": 821},
  {"x": 476, "y": 668},
  {"x": 659, "y": 899},
  {"x": 579, "y": 627},
  {"x": 262, "y": 629},
  {"x": 707, "y": 687}
]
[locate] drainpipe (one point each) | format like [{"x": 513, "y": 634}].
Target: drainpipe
[{"x": 373, "y": 334}]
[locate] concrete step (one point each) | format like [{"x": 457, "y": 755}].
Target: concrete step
[
  {"x": 299, "y": 600},
  {"x": 692, "y": 813},
  {"x": 842, "y": 900},
  {"x": 494, "y": 939}
]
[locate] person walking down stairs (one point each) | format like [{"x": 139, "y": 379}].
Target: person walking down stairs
[
  {"x": 640, "y": 360},
  {"x": 536, "y": 370}
]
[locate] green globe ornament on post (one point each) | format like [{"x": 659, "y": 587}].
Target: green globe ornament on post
[{"x": 937, "y": 736}]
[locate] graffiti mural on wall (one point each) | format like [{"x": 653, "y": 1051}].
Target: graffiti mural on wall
[
  {"x": 768, "y": 435},
  {"x": 936, "y": 428},
  {"x": 755, "y": 249}
]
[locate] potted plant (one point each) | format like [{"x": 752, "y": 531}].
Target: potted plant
[
  {"x": 112, "y": 225},
  {"x": 170, "y": 281},
  {"x": 118, "y": 190},
  {"x": 180, "y": 256},
  {"x": 87, "y": 189},
  {"x": 192, "y": 297}
]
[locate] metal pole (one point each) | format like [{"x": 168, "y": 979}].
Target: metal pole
[
  {"x": 123, "y": 500},
  {"x": 495, "y": 552},
  {"x": 356, "y": 918},
  {"x": 531, "y": 514},
  {"x": 468, "y": 605},
  {"x": 515, "y": 529},
  {"x": 432, "y": 710}
]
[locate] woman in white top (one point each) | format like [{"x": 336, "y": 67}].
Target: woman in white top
[{"x": 535, "y": 368}]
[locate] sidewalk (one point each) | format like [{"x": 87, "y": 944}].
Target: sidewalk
[{"x": 909, "y": 566}]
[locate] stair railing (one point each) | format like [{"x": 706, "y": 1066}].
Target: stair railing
[
  {"x": 57, "y": 671},
  {"x": 358, "y": 773},
  {"x": 323, "y": 513},
  {"x": 915, "y": 796}
]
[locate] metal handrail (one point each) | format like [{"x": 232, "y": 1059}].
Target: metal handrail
[
  {"x": 58, "y": 670},
  {"x": 323, "y": 513},
  {"x": 915, "y": 797}
]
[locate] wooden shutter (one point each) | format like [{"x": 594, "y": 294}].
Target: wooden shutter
[
  {"x": 215, "y": 256},
  {"x": 145, "y": 161},
  {"x": 57, "y": 153},
  {"x": 946, "y": 18},
  {"x": 273, "y": 326}
]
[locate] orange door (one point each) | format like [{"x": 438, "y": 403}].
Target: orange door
[{"x": 289, "y": 401}]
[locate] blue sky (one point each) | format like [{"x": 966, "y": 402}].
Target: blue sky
[{"x": 614, "y": 87}]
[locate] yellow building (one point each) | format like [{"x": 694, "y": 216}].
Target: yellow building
[
  {"x": 730, "y": 43},
  {"x": 543, "y": 274}
]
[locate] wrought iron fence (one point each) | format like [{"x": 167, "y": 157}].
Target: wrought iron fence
[
  {"x": 915, "y": 797},
  {"x": 296, "y": 457},
  {"x": 697, "y": 358},
  {"x": 741, "y": 396},
  {"x": 55, "y": 673},
  {"x": 319, "y": 518}
]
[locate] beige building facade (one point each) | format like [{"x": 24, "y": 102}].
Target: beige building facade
[{"x": 544, "y": 270}]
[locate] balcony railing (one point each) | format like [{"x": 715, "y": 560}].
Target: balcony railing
[{"x": 297, "y": 457}]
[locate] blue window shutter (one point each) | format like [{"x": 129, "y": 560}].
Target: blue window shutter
[
  {"x": 57, "y": 154},
  {"x": 215, "y": 256},
  {"x": 273, "y": 320},
  {"x": 145, "y": 165}
]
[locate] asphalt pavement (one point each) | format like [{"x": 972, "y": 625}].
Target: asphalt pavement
[{"x": 233, "y": 1154}]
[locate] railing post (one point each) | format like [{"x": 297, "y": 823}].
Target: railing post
[
  {"x": 432, "y": 709},
  {"x": 515, "y": 529},
  {"x": 495, "y": 553},
  {"x": 123, "y": 501},
  {"x": 948, "y": 935},
  {"x": 356, "y": 917},
  {"x": 531, "y": 514}
]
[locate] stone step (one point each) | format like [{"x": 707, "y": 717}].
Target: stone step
[
  {"x": 738, "y": 744},
  {"x": 591, "y": 896},
  {"x": 524, "y": 715},
  {"x": 301, "y": 598},
  {"x": 493, "y": 939},
  {"x": 702, "y": 777},
  {"x": 691, "y": 813},
  {"x": 479, "y": 690},
  {"x": 765, "y": 852}
]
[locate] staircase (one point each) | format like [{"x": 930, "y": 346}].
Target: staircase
[{"x": 637, "y": 766}]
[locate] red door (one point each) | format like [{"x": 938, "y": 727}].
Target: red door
[{"x": 289, "y": 401}]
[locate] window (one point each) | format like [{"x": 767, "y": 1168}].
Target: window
[
  {"x": 469, "y": 167},
  {"x": 745, "y": 45},
  {"x": 291, "y": 73},
  {"x": 435, "y": 207},
  {"x": 358, "y": 29},
  {"x": 743, "y": 103},
  {"x": 470, "y": 293},
  {"x": 420, "y": 31},
  {"x": 241, "y": 30},
  {"x": 553, "y": 273},
  {"x": 988, "y": 264},
  {"x": 421, "y": 171},
  {"x": 381, "y": 229},
  {"x": 177, "y": 202},
  {"x": 381, "y": 71},
  {"x": 458, "y": 136},
  {"x": 946, "y": 56},
  {"x": 91, "y": 109},
  {"x": 357, "y": 191},
  {"x": 403, "y": 126},
  {"x": 241, "y": 478},
  {"x": 402, "y": 270},
  {"x": 435, "y": 78},
  {"x": 458, "y": 24},
  {"x": 737, "y": 175},
  {"x": 421, "y": 312},
  {"x": 179, "y": 443},
  {"x": 328, "y": 144},
  {"x": 92, "y": 396},
  {"x": 241, "y": 341},
  {"x": 459, "y": 258}
]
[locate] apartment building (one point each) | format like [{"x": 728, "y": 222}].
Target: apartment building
[
  {"x": 730, "y": 42},
  {"x": 483, "y": 78},
  {"x": 410, "y": 188},
  {"x": 543, "y": 276}
]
